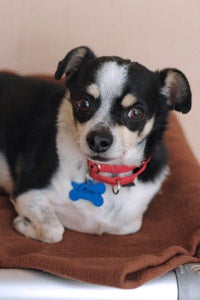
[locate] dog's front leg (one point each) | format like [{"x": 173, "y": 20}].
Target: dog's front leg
[{"x": 36, "y": 218}]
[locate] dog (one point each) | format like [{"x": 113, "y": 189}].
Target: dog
[{"x": 87, "y": 155}]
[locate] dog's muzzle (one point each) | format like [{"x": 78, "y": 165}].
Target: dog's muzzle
[{"x": 99, "y": 140}]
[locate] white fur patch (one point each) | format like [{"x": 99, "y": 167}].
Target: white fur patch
[
  {"x": 68, "y": 143},
  {"x": 5, "y": 177},
  {"x": 110, "y": 79}
]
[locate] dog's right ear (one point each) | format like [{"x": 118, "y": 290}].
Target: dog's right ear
[
  {"x": 73, "y": 61},
  {"x": 176, "y": 90}
]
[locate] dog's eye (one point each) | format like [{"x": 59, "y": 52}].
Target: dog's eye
[
  {"x": 136, "y": 113},
  {"x": 83, "y": 105}
]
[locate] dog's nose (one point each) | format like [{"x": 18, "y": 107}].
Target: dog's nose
[{"x": 99, "y": 141}]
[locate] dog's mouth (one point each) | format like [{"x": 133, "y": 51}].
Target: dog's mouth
[{"x": 100, "y": 158}]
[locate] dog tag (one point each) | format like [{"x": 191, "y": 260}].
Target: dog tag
[{"x": 89, "y": 190}]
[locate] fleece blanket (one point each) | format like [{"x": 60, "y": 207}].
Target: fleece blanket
[{"x": 170, "y": 235}]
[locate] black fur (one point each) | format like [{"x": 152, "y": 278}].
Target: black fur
[{"x": 28, "y": 111}]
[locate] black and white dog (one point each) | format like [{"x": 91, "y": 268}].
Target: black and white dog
[{"x": 88, "y": 156}]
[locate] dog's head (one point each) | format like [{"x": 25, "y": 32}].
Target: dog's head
[{"x": 120, "y": 107}]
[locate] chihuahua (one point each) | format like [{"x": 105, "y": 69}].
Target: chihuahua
[{"x": 88, "y": 155}]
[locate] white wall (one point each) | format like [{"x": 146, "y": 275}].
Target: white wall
[{"x": 35, "y": 34}]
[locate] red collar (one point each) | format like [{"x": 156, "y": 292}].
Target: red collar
[{"x": 95, "y": 170}]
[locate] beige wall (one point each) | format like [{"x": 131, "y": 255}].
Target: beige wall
[{"x": 35, "y": 34}]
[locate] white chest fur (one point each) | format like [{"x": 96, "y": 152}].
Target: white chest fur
[{"x": 119, "y": 214}]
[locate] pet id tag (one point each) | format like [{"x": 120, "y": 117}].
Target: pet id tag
[{"x": 89, "y": 190}]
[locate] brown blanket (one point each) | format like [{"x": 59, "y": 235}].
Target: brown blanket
[{"x": 170, "y": 235}]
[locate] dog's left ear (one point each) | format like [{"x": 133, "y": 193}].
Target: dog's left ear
[
  {"x": 72, "y": 62},
  {"x": 175, "y": 87}
]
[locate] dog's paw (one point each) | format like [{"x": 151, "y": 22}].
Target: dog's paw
[
  {"x": 24, "y": 226},
  {"x": 44, "y": 233},
  {"x": 52, "y": 234}
]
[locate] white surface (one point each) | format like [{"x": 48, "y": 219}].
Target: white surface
[{"x": 32, "y": 285}]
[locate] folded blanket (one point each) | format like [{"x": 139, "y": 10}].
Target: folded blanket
[{"x": 170, "y": 234}]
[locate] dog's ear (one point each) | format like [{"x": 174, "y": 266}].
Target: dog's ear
[
  {"x": 72, "y": 62},
  {"x": 176, "y": 89}
]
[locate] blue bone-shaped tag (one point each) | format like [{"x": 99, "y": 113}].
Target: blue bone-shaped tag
[{"x": 88, "y": 191}]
